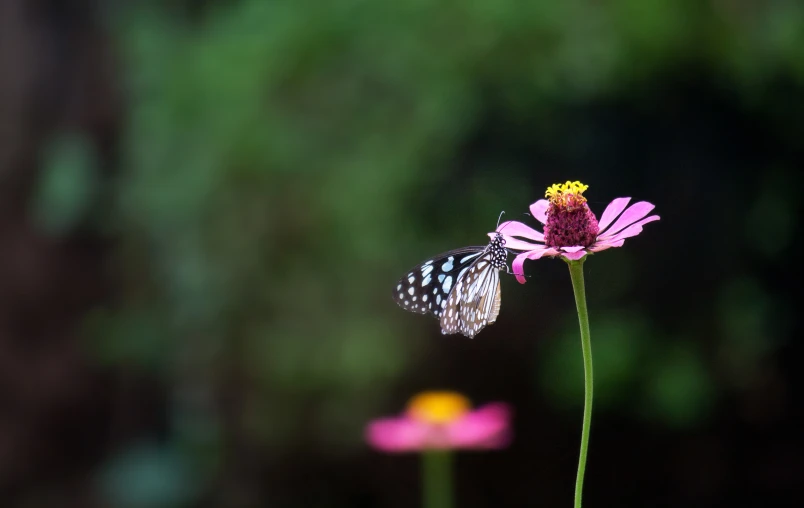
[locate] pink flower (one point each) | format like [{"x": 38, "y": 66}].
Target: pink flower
[
  {"x": 571, "y": 230},
  {"x": 441, "y": 421}
]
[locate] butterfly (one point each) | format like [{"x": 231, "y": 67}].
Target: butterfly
[{"x": 460, "y": 287}]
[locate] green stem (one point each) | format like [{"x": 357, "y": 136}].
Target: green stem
[
  {"x": 576, "y": 274},
  {"x": 437, "y": 479}
]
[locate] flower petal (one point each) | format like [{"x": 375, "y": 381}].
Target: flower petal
[
  {"x": 517, "y": 267},
  {"x": 611, "y": 212},
  {"x": 397, "y": 434},
  {"x": 514, "y": 228},
  {"x": 485, "y": 427},
  {"x": 519, "y": 261},
  {"x": 573, "y": 249},
  {"x": 607, "y": 244},
  {"x": 539, "y": 210},
  {"x": 632, "y": 214},
  {"x": 633, "y": 229},
  {"x": 521, "y": 245},
  {"x": 574, "y": 256}
]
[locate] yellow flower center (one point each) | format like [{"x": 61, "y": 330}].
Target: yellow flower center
[
  {"x": 438, "y": 407},
  {"x": 568, "y": 194}
]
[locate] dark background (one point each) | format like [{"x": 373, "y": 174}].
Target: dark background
[{"x": 204, "y": 206}]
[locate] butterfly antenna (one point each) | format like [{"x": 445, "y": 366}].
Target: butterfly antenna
[
  {"x": 505, "y": 226},
  {"x": 498, "y": 219}
]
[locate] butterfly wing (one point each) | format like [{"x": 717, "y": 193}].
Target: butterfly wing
[
  {"x": 479, "y": 311},
  {"x": 427, "y": 286},
  {"x": 475, "y": 300},
  {"x": 495, "y": 307}
]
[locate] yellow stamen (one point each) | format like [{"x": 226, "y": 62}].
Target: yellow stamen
[
  {"x": 566, "y": 193},
  {"x": 438, "y": 407}
]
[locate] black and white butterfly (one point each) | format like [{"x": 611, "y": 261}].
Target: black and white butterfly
[{"x": 460, "y": 287}]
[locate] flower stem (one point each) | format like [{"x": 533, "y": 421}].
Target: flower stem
[
  {"x": 576, "y": 274},
  {"x": 437, "y": 479}
]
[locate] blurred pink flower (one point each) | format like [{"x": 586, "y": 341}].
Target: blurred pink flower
[
  {"x": 442, "y": 421},
  {"x": 571, "y": 230}
]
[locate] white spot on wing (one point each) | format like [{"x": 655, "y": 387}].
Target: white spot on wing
[
  {"x": 447, "y": 284},
  {"x": 410, "y": 290}
]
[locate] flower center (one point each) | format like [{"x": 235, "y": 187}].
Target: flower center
[
  {"x": 570, "y": 222},
  {"x": 567, "y": 195},
  {"x": 438, "y": 407}
]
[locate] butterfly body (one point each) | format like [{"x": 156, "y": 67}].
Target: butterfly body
[{"x": 460, "y": 287}]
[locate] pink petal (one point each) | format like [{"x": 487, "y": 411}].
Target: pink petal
[
  {"x": 518, "y": 268},
  {"x": 485, "y": 427},
  {"x": 539, "y": 210},
  {"x": 611, "y": 212},
  {"x": 397, "y": 434},
  {"x": 573, "y": 249},
  {"x": 514, "y": 228},
  {"x": 633, "y": 229},
  {"x": 632, "y": 214},
  {"x": 519, "y": 261},
  {"x": 599, "y": 246},
  {"x": 574, "y": 256},
  {"x": 516, "y": 244}
]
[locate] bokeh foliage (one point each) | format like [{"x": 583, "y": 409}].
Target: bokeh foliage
[{"x": 284, "y": 162}]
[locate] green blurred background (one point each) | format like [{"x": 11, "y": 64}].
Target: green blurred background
[{"x": 204, "y": 206}]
